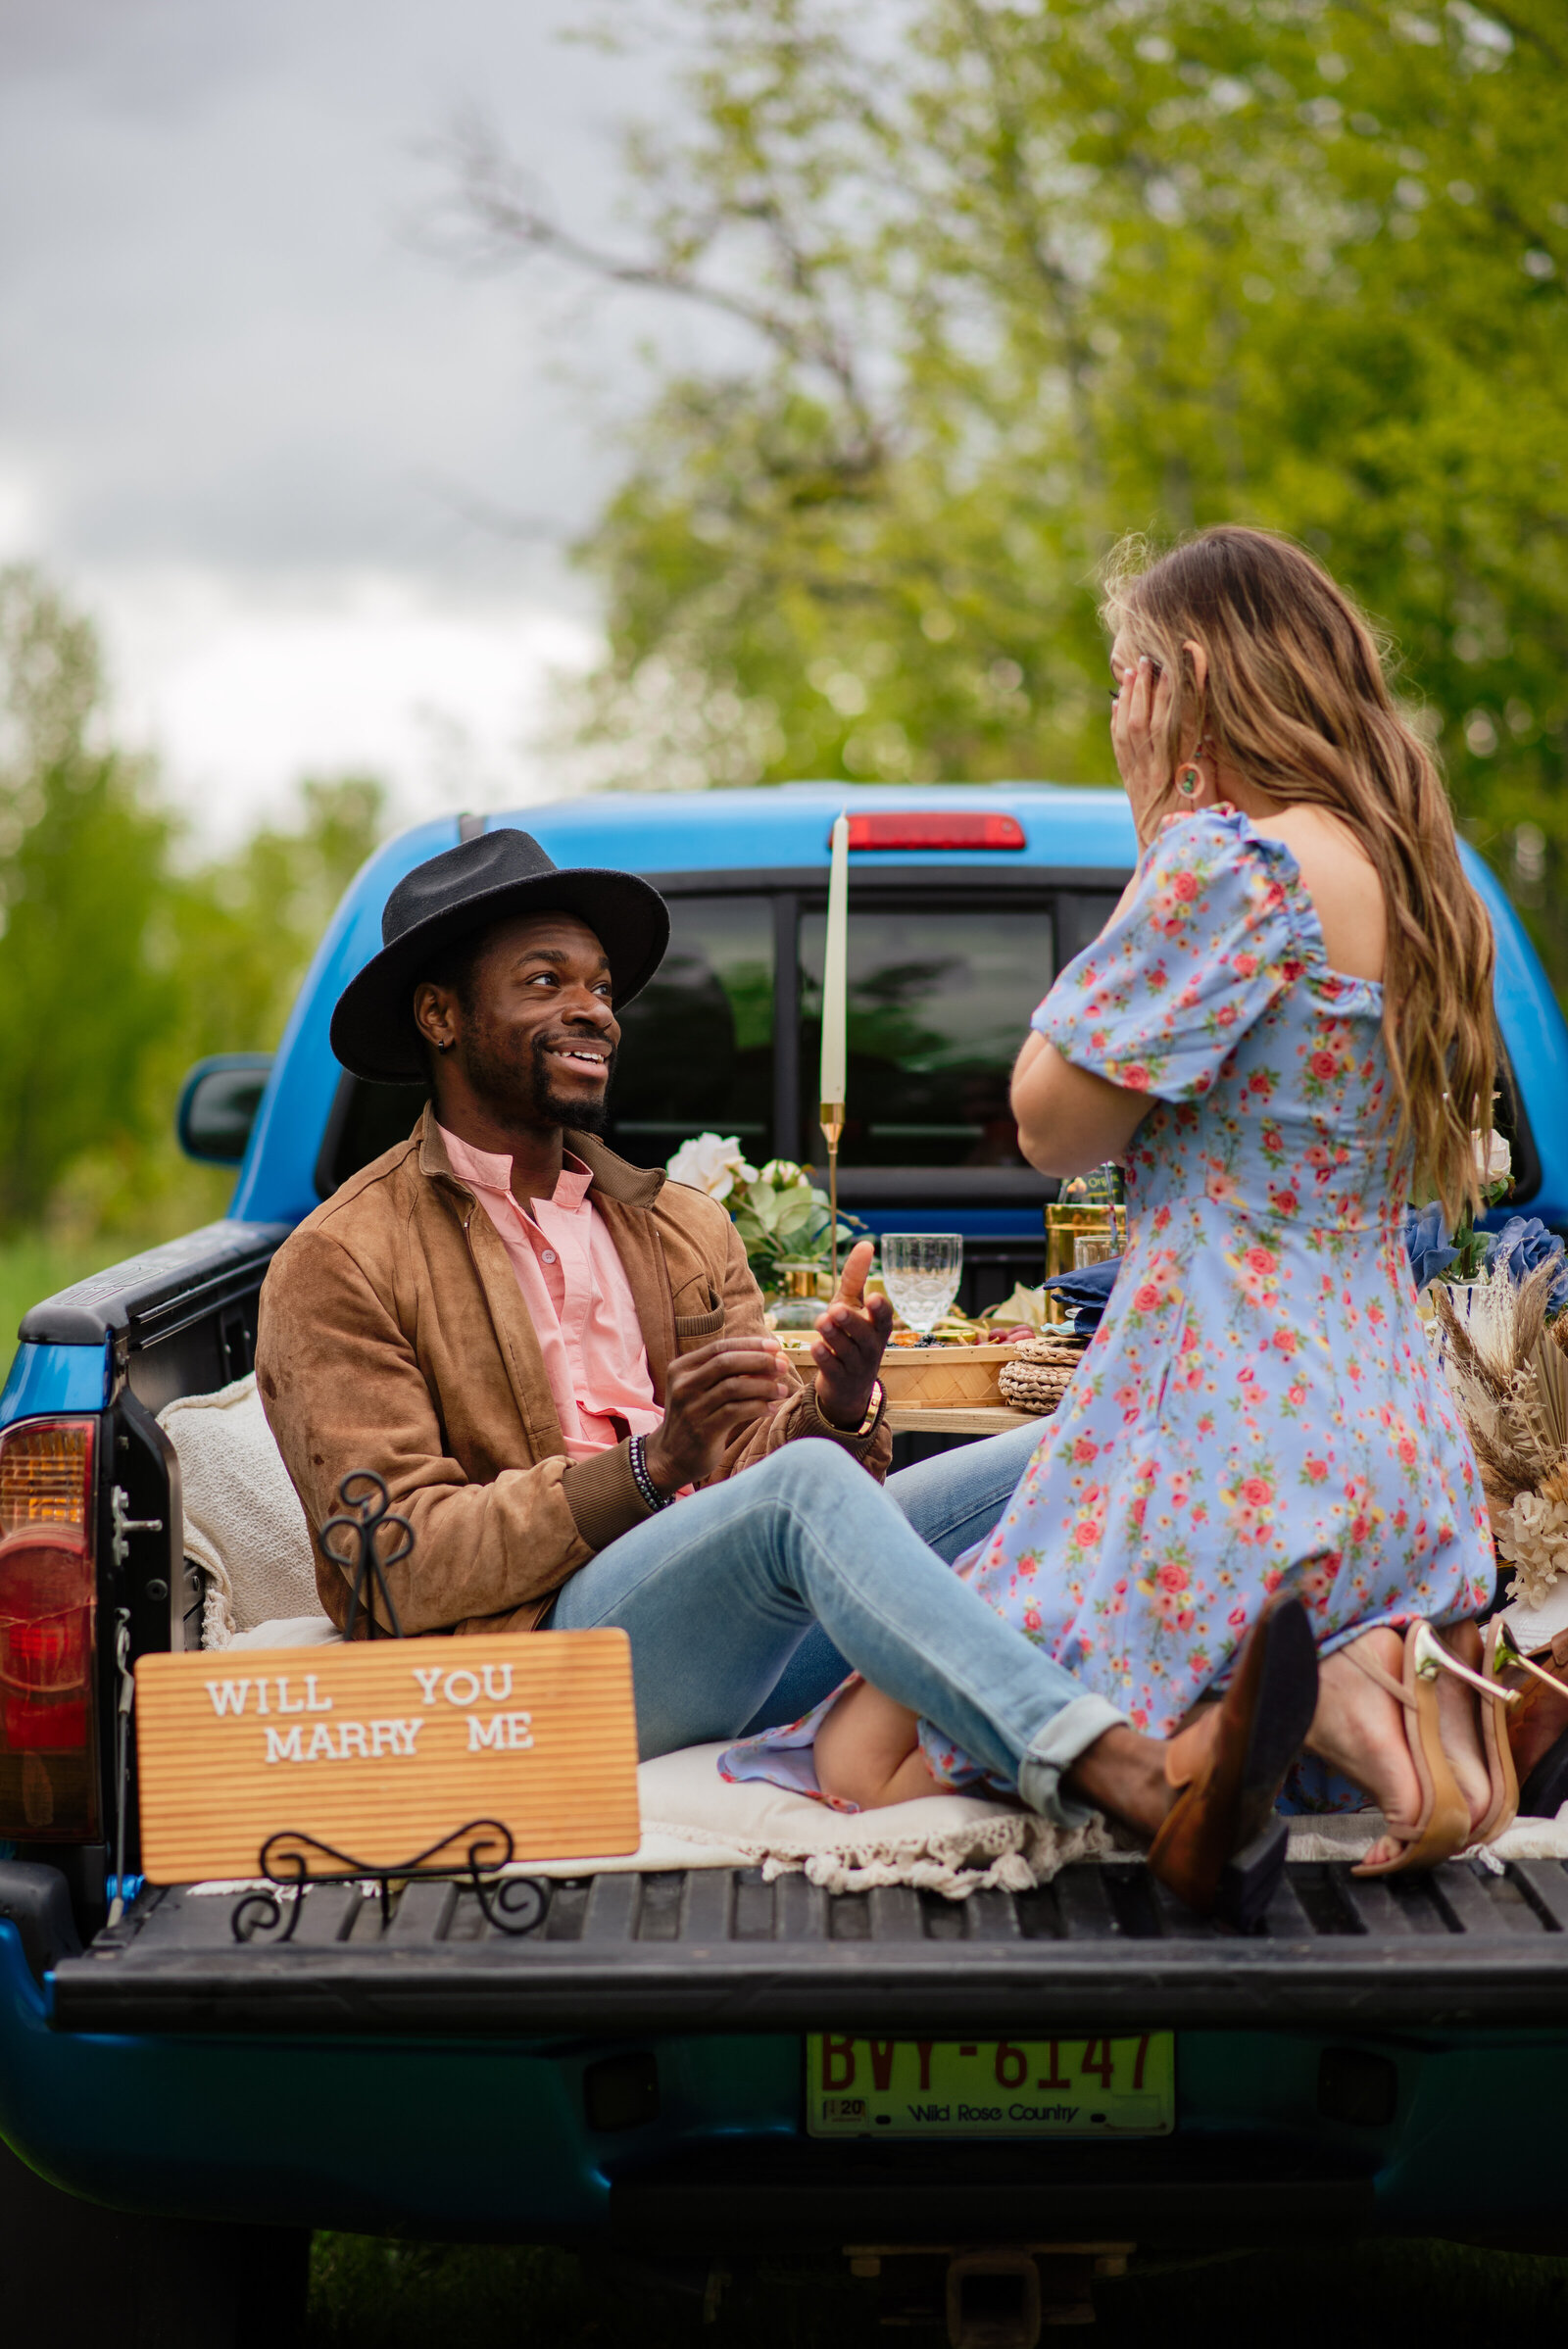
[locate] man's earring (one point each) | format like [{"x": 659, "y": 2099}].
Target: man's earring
[
  {"x": 1187, "y": 784},
  {"x": 445, "y": 1047}
]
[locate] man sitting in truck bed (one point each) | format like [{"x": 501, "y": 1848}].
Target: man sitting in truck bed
[{"x": 541, "y": 1348}]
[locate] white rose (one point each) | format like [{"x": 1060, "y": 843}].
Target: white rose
[
  {"x": 782, "y": 1174},
  {"x": 1493, "y": 1158},
  {"x": 711, "y": 1163},
  {"x": 1534, "y": 1541}
]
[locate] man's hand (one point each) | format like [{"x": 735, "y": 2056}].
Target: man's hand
[
  {"x": 850, "y": 1340},
  {"x": 711, "y": 1392}
]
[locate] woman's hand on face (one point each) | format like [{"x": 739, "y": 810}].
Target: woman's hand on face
[{"x": 1139, "y": 736}]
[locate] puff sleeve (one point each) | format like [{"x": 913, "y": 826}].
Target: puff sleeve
[{"x": 1205, "y": 945}]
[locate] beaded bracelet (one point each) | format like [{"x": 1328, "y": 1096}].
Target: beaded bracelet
[{"x": 651, "y": 1496}]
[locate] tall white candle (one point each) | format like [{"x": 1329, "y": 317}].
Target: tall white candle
[{"x": 835, "y": 973}]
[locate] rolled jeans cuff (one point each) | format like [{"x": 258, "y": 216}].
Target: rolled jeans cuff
[{"x": 1065, "y": 1735}]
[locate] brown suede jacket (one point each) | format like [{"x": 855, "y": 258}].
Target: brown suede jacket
[{"x": 393, "y": 1336}]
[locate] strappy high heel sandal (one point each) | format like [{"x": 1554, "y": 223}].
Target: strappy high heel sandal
[
  {"x": 1537, "y": 1738},
  {"x": 1443, "y": 1827},
  {"x": 1499, "y": 1654}
]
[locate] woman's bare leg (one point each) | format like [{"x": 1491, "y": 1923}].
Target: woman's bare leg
[
  {"x": 869, "y": 1751},
  {"x": 1361, "y": 1729},
  {"x": 1358, "y": 1729}
]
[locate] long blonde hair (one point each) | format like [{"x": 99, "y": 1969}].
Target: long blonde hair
[{"x": 1296, "y": 699}]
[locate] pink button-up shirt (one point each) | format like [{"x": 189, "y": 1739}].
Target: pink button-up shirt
[{"x": 578, "y": 1300}]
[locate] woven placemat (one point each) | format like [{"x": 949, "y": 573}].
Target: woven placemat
[
  {"x": 1053, "y": 1345},
  {"x": 1036, "y": 1385}
]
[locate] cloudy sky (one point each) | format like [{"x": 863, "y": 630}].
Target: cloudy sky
[{"x": 250, "y": 418}]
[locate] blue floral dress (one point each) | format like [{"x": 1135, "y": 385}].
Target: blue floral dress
[{"x": 1259, "y": 1406}]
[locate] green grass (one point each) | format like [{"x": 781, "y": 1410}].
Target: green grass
[
  {"x": 367, "y": 2294},
  {"x": 34, "y": 1266}
]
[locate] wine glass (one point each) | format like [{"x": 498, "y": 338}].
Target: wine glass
[
  {"x": 1092, "y": 1248},
  {"x": 921, "y": 1272}
]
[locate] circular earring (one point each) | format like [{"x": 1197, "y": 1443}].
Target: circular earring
[{"x": 1187, "y": 784}]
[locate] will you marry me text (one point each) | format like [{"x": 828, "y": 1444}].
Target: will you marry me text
[{"x": 312, "y": 1740}]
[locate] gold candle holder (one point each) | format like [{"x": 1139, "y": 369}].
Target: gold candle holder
[{"x": 832, "y": 1120}]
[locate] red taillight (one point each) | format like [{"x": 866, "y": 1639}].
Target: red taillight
[
  {"x": 48, "y": 1607},
  {"x": 957, "y": 828},
  {"x": 49, "y": 1654}
]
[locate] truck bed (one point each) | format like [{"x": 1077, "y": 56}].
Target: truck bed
[{"x": 719, "y": 1951}]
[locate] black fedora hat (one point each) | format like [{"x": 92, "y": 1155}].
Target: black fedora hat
[{"x": 465, "y": 889}]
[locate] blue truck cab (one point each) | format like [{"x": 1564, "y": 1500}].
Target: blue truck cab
[{"x": 630, "y": 2072}]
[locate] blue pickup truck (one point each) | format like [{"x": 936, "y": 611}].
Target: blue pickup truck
[{"x": 183, "y": 2108}]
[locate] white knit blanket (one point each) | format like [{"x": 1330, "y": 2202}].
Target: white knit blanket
[{"x": 243, "y": 1521}]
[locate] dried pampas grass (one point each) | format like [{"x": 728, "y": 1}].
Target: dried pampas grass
[{"x": 1509, "y": 1369}]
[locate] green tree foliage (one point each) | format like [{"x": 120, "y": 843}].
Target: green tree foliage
[
  {"x": 247, "y": 927},
  {"x": 120, "y": 965},
  {"x": 82, "y": 1002},
  {"x": 234, "y": 938},
  {"x": 995, "y": 281}
]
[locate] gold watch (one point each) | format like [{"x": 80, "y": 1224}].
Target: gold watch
[{"x": 873, "y": 1411}]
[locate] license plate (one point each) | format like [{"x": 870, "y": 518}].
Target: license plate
[{"x": 1072, "y": 2087}]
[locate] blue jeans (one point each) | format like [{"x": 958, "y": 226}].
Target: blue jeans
[
  {"x": 720, "y": 1592},
  {"x": 953, "y": 1502}
]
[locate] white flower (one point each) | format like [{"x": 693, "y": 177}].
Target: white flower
[
  {"x": 711, "y": 1163},
  {"x": 1534, "y": 1541},
  {"x": 1493, "y": 1158},
  {"x": 782, "y": 1174}
]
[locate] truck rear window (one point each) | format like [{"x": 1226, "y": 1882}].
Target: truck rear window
[
  {"x": 726, "y": 1038},
  {"x": 697, "y": 1046},
  {"x": 940, "y": 1001}
]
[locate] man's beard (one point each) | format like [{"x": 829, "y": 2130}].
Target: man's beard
[{"x": 524, "y": 1095}]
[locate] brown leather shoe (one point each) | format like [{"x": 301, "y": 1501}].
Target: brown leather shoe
[{"x": 1221, "y": 1849}]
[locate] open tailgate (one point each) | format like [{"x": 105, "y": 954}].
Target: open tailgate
[{"x": 721, "y": 1951}]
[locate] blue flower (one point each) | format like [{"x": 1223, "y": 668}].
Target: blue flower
[
  {"x": 1524, "y": 1244},
  {"x": 1426, "y": 1240}
]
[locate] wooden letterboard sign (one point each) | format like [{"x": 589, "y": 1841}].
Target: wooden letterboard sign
[{"x": 382, "y": 1747}]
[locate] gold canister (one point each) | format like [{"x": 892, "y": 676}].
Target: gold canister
[{"x": 1067, "y": 1223}]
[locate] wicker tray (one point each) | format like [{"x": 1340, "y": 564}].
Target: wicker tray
[{"x": 945, "y": 1377}]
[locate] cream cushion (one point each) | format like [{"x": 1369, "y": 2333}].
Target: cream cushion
[
  {"x": 243, "y": 1522},
  {"x": 1538, "y": 1626},
  {"x": 950, "y": 1844},
  {"x": 955, "y": 1845}
]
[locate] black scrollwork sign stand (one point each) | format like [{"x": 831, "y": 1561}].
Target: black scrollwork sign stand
[
  {"x": 366, "y": 1510},
  {"x": 515, "y": 1906}
]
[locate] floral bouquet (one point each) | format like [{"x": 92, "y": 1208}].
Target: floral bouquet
[
  {"x": 1502, "y": 1328},
  {"x": 1494, "y": 1169},
  {"x": 778, "y": 1211},
  {"x": 1466, "y": 1257},
  {"x": 1507, "y": 1363}
]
